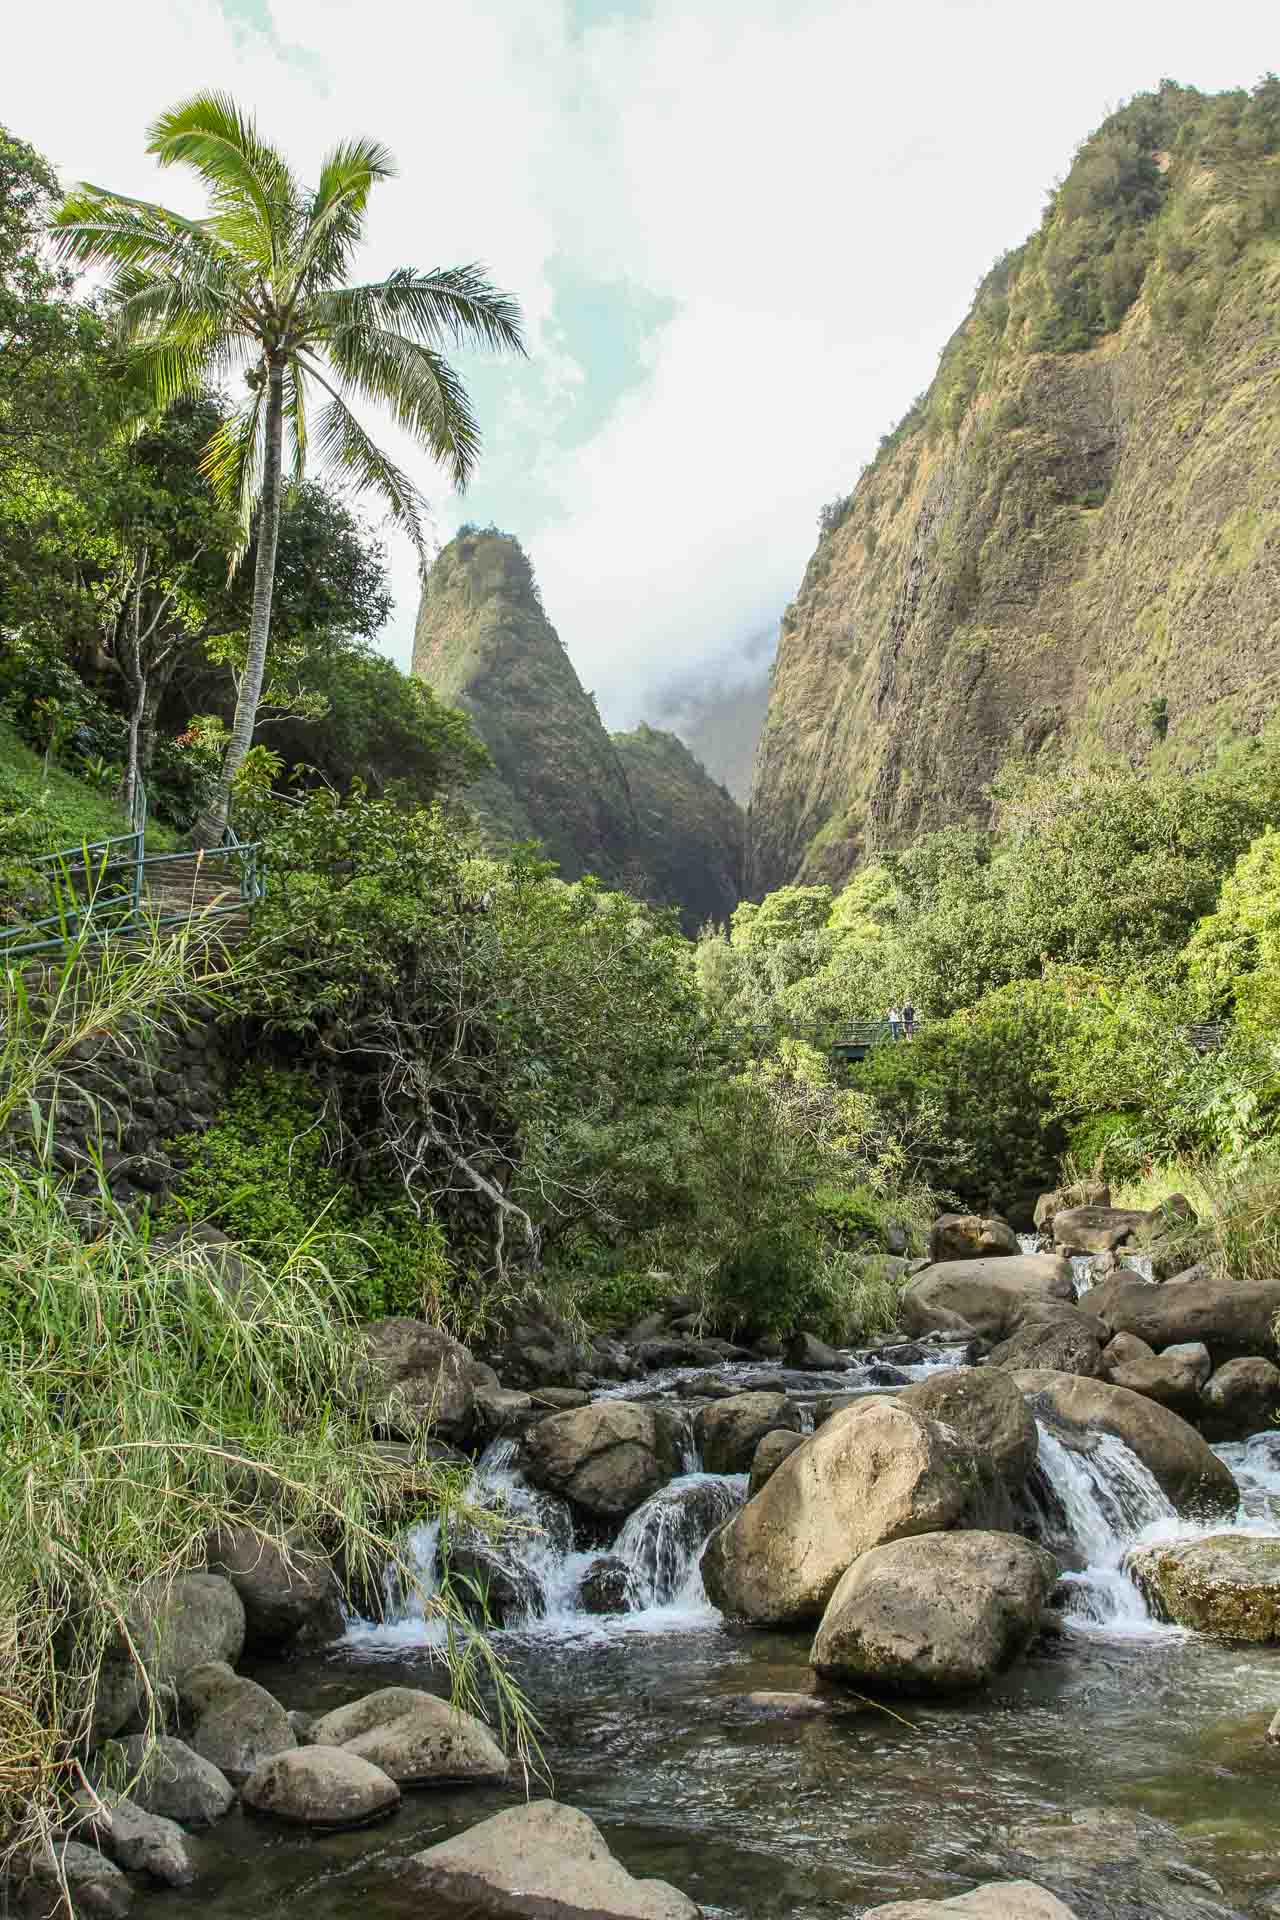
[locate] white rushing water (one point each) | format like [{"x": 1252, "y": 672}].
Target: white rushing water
[
  {"x": 1082, "y": 1267},
  {"x": 1104, "y": 1501}
]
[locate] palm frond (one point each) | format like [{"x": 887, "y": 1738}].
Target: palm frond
[
  {"x": 254, "y": 194},
  {"x": 295, "y": 415},
  {"x": 95, "y": 227},
  {"x": 232, "y": 465},
  {"x": 418, "y": 387},
  {"x": 449, "y": 303},
  {"x": 343, "y": 443},
  {"x": 335, "y": 217}
]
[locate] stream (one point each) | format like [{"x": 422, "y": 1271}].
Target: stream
[{"x": 647, "y": 1726}]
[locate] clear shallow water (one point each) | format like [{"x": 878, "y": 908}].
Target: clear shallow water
[{"x": 646, "y": 1727}]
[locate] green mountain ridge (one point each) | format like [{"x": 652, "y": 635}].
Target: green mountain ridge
[
  {"x": 637, "y": 810},
  {"x": 1071, "y": 544}
]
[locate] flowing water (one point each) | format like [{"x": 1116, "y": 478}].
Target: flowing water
[{"x": 648, "y": 1725}]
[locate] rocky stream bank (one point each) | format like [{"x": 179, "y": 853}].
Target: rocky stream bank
[{"x": 984, "y": 1621}]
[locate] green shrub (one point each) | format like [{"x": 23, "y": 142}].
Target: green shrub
[{"x": 1109, "y": 1145}]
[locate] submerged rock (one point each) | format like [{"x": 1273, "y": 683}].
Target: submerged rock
[
  {"x": 1183, "y": 1464},
  {"x": 998, "y": 1900},
  {"x": 729, "y": 1432},
  {"x": 606, "y": 1588},
  {"x": 413, "y": 1737},
  {"x": 324, "y": 1787},
  {"x": 607, "y": 1458},
  {"x": 544, "y": 1861},
  {"x": 939, "y": 1613},
  {"x": 1224, "y": 1584},
  {"x": 1114, "y": 1866},
  {"x": 876, "y": 1472}
]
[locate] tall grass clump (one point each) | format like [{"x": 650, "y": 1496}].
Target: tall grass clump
[{"x": 151, "y": 1393}]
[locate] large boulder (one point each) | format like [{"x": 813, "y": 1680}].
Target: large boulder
[
  {"x": 1241, "y": 1398},
  {"x": 607, "y": 1458},
  {"x": 414, "y": 1737},
  {"x": 970, "y": 1236},
  {"x": 165, "y": 1777},
  {"x": 1190, "y": 1474},
  {"x": 939, "y": 1613},
  {"x": 1099, "y": 1229},
  {"x": 1224, "y": 1584},
  {"x": 137, "y": 1841},
  {"x": 876, "y": 1472},
  {"x": 544, "y": 1861},
  {"x": 415, "y": 1376},
  {"x": 776, "y": 1446},
  {"x": 234, "y": 1722},
  {"x": 1173, "y": 1377},
  {"x": 1084, "y": 1193},
  {"x": 811, "y": 1355},
  {"x": 186, "y": 1622},
  {"x": 998, "y": 1900},
  {"x": 1234, "y": 1319},
  {"x": 986, "y": 1410},
  {"x": 324, "y": 1787},
  {"x": 729, "y": 1431},
  {"x": 987, "y": 1297},
  {"x": 97, "y": 1888},
  {"x": 286, "y": 1583},
  {"x": 1052, "y": 1334}
]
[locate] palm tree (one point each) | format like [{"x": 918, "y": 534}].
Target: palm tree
[{"x": 258, "y": 287}]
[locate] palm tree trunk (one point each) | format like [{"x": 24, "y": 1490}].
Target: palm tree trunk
[{"x": 212, "y": 822}]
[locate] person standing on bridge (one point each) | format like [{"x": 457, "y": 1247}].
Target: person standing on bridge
[
  {"x": 908, "y": 1020},
  {"x": 895, "y": 1023}
]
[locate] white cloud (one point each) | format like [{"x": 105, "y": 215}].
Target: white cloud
[{"x": 817, "y": 185}]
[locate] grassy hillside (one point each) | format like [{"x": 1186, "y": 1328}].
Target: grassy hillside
[{"x": 59, "y": 809}]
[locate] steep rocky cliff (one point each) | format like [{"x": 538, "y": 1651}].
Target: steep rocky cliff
[
  {"x": 1072, "y": 542},
  {"x": 637, "y": 810},
  {"x": 691, "y": 838}
]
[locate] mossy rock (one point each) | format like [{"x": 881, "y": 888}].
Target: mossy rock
[{"x": 1226, "y": 1584}]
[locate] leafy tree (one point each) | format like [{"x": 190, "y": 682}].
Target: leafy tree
[
  {"x": 260, "y": 284},
  {"x": 1233, "y": 957}
]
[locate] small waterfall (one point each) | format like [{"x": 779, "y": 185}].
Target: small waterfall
[
  {"x": 661, "y": 1544},
  {"x": 1100, "y": 1500}
]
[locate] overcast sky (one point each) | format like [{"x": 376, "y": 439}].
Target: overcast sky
[{"x": 741, "y": 230}]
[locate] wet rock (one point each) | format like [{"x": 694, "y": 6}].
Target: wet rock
[
  {"x": 1099, "y": 1229},
  {"x": 488, "y": 1589},
  {"x": 998, "y": 1900},
  {"x": 559, "y": 1399},
  {"x": 234, "y": 1722},
  {"x": 881, "y": 1374},
  {"x": 141, "y": 1842},
  {"x": 771, "y": 1450},
  {"x": 610, "y": 1358},
  {"x": 1224, "y": 1584},
  {"x": 1114, "y": 1866},
  {"x": 661, "y": 1539},
  {"x": 606, "y": 1588},
  {"x": 985, "y": 1408},
  {"x": 327, "y": 1787},
  {"x": 970, "y": 1236},
  {"x": 908, "y": 1353},
  {"x": 797, "y": 1706},
  {"x": 1240, "y": 1399},
  {"x": 414, "y": 1737},
  {"x": 1173, "y": 1378},
  {"x": 287, "y": 1586},
  {"x": 187, "y": 1622},
  {"x": 544, "y": 1861},
  {"x": 876, "y": 1472},
  {"x": 729, "y": 1432},
  {"x": 1234, "y": 1319},
  {"x": 705, "y": 1386},
  {"x": 987, "y": 1297},
  {"x": 606, "y": 1458},
  {"x": 504, "y": 1410},
  {"x": 1057, "y": 1336},
  {"x": 935, "y": 1614},
  {"x": 98, "y": 1889},
  {"x": 165, "y": 1777},
  {"x": 806, "y": 1351},
  {"x": 1185, "y": 1467},
  {"x": 415, "y": 1376},
  {"x": 652, "y": 1356}
]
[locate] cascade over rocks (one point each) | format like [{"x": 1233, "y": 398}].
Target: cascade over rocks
[
  {"x": 987, "y": 1297},
  {"x": 938, "y": 1613},
  {"x": 1224, "y": 1584},
  {"x": 970, "y": 1236},
  {"x": 606, "y": 1458},
  {"x": 543, "y": 1861},
  {"x": 1235, "y": 1320},
  {"x": 729, "y": 1431},
  {"x": 416, "y": 1376},
  {"x": 1187, "y": 1470},
  {"x": 874, "y": 1473},
  {"x": 414, "y": 1737}
]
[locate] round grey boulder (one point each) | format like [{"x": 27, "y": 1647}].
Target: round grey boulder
[
  {"x": 606, "y": 1458},
  {"x": 413, "y": 1737},
  {"x": 1240, "y": 1399},
  {"x": 771, "y": 1450},
  {"x": 186, "y": 1622},
  {"x": 415, "y": 1376},
  {"x": 936, "y": 1614},
  {"x": 324, "y": 1787},
  {"x": 287, "y": 1586},
  {"x": 988, "y": 1297},
  {"x": 235, "y": 1723},
  {"x": 167, "y": 1778}
]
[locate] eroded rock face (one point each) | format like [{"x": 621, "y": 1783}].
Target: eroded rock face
[
  {"x": 1241, "y": 1398},
  {"x": 606, "y": 1458},
  {"x": 416, "y": 1377},
  {"x": 544, "y": 1861},
  {"x": 413, "y": 1737},
  {"x": 1000, "y": 1900},
  {"x": 987, "y": 1297},
  {"x": 325, "y": 1787},
  {"x": 1182, "y": 1463},
  {"x": 1224, "y": 1584},
  {"x": 938, "y": 1613},
  {"x": 874, "y": 1473},
  {"x": 729, "y": 1432},
  {"x": 970, "y": 1236},
  {"x": 771, "y": 1451},
  {"x": 1234, "y": 1320}
]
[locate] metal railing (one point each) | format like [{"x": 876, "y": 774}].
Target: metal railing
[{"x": 115, "y": 873}]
